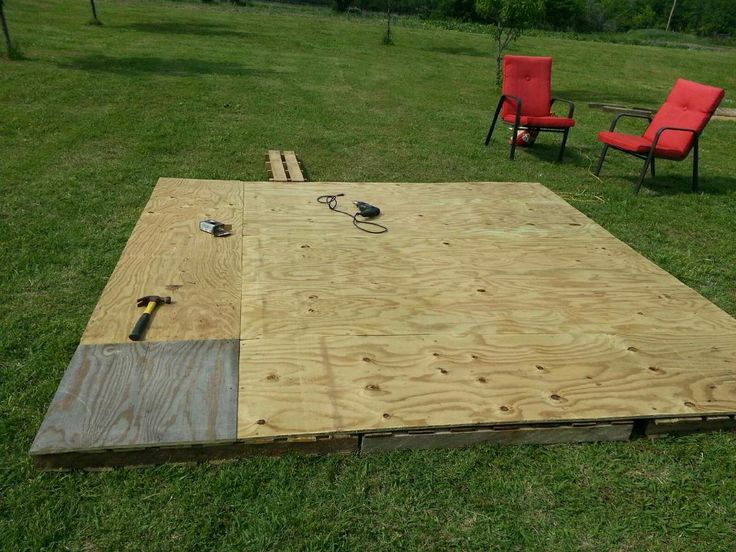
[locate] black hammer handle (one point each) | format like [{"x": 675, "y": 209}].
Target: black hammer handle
[{"x": 140, "y": 327}]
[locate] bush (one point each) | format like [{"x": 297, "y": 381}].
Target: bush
[{"x": 341, "y": 5}]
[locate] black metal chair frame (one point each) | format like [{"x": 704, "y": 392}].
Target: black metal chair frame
[
  {"x": 650, "y": 157},
  {"x": 517, "y": 123}
]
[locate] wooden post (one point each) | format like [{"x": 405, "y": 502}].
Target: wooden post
[
  {"x": 8, "y": 42},
  {"x": 669, "y": 19}
]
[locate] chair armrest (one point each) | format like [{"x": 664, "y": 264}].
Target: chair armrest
[
  {"x": 517, "y": 99},
  {"x": 620, "y": 115},
  {"x": 661, "y": 130},
  {"x": 571, "y": 106}
]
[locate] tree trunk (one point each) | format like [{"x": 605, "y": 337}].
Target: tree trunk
[
  {"x": 669, "y": 19},
  {"x": 387, "y": 34},
  {"x": 94, "y": 11},
  {"x": 6, "y": 33},
  {"x": 499, "y": 53}
]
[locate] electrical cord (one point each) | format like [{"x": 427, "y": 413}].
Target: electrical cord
[{"x": 331, "y": 201}]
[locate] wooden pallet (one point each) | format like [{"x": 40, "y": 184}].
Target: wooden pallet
[
  {"x": 615, "y": 108},
  {"x": 684, "y": 426},
  {"x": 500, "y": 435},
  {"x": 283, "y": 166},
  {"x": 489, "y": 313}
]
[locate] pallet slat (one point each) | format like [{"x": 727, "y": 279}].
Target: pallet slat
[
  {"x": 684, "y": 426},
  {"x": 292, "y": 166},
  {"x": 513, "y": 436},
  {"x": 277, "y": 166}
]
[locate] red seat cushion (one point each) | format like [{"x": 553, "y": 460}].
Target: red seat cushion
[
  {"x": 688, "y": 105},
  {"x": 549, "y": 121},
  {"x": 636, "y": 144}
]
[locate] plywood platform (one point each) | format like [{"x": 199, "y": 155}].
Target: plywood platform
[{"x": 489, "y": 312}]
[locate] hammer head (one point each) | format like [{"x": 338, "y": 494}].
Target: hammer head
[{"x": 143, "y": 301}]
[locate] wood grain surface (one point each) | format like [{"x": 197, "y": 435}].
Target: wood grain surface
[
  {"x": 414, "y": 210},
  {"x": 487, "y": 304},
  {"x": 168, "y": 255},
  {"x": 292, "y": 164},
  {"x": 324, "y": 384},
  {"x": 138, "y": 394},
  {"x": 277, "y": 166},
  {"x": 483, "y": 304}
]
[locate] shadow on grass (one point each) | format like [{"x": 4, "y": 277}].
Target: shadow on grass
[
  {"x": 160, "y": 66},
  {"x": 664, "y": 185},
  {"x": 459, "y": 51},
  {"x": 187, "y": 28},
  {"x": 544, "y": 151}
]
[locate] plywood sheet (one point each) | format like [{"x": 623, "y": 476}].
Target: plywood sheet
[
  {"x": 411, "y": 286},
  {"x": 410, "y": 210},
  {"x": 138, "y": 394},
  {"x": 483, "y": 304},
  {"x": 323, "y": 384},
  {"x": 486, "y": 306},
  {"x": 168, "y": 255}
]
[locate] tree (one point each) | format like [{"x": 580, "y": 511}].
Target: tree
[
  {"x": 387, "y": 39},
  {"x": 95, "y": 20},
  {"x": 510, "y": 18},
  {"x": 12, "y": 49},
  {"x": 672, "y": 11}
]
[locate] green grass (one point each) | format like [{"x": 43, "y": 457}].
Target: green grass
[{"x": 95, "y": 114}]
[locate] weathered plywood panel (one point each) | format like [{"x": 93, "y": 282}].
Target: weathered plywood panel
[
  {"x": 143, "y": 394},
  {"x": 512, "y": 436}
]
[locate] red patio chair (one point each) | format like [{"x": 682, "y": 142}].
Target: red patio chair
[
  {"x": 526, "y": 100},
  {"x": 674, "y": 131}
]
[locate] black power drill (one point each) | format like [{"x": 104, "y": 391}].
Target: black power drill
[{"x": 366, "y": 209}]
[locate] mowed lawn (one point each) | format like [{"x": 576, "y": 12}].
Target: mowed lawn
[{"x": 94, "y": 115}]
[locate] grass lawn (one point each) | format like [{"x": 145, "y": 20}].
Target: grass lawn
[{"x": 94, "y": 115}]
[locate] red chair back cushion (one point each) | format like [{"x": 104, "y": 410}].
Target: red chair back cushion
[
  {"x": 689, "y": 105},
  {"x": 529, "y": 78}
]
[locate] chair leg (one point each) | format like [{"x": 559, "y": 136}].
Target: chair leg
[
  {"x": 695, "y": 164},
  {"x": 601, "y": 159},
  {"x": 652, "y": 167},
  {"x": 649, "y": 160},
  {"x": 513, "y": 141},
  {"x": 562, "y": 146},
  {"x": 493, "y": 122}
]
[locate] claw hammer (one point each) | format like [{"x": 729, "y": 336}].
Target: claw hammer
[{"x": 150, "y": 302}]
